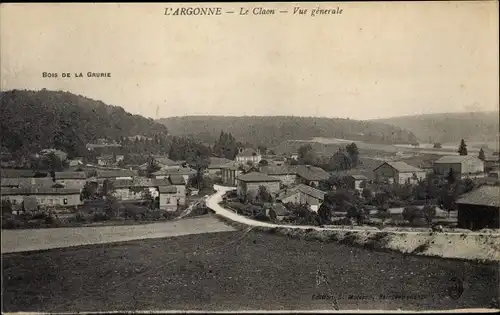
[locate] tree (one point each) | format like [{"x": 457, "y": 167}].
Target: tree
[
  {"x": 52, "y": 163},
  {"x": 355, "y": 213},
  {"x": 148, "y": 198},
  {"x": 226, "y": 146},
  {"x": 6, "y": 207},
  {"x": 111, "y": 207},
  {"x": 367, "y": 193},
  {"x": 324, "y": 213},
  {"x": 481, "y": 155},
  {"x": 451, "y": 176},
  {"x": 429, "y": 213},
  {"x": 263, "y": 195},
  {"x": 263, "y": 163},
  {"x": 307, "y": 155},
  {"x": 199, "y": 160},
  {"x": 462, "y": 149},
  {"x": 272, "y": 214},
  {"x": 412, "y": 213},
  {"x": 152, "y": 166},
  {"x": 107, "y": 189},
  {"x": 89, "y": 191},
  {"x": 352, "y": 150},
  {"x": 437, "y": 145},
  {"x": 383, "y": 214}
]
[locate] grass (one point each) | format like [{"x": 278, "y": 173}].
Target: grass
[{"x": 233, "y": 270}]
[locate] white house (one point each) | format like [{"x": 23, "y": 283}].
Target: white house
[
  {"x": 248, "y": 155},
  {"x": 462, "y": 165}
]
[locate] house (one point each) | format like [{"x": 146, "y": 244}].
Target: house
[
  {"x": 250, "y": 183},
  {"x": 168, "y": 198},
  {"x": 462, "y": 166},
  {"x": 173, "y": 195},
  {"x": 216, "y": 165},
  {"x": 355, "y": 181},
  {"x": 165, "y": 163},
  {"x": 248, "y": 155},
  {"x": 116, "y": 174},
  {"x": 45, "y": 196},
  {"x": 281, "y": 211},
  {"x": 23, "y": 182},
  {"x": 71, "y": 179},
  {"x": 106, "y": 160},
  {"x": 185, "y": 172},
  {"x": 229, "y": 174},
  {"x": 286, "y": 175},
  {"x": 310, "y": 175},
  {"x": 491, "y": 163},
  {"x": 479, "y": 208},
  {"x": 135, "y": 189},
  {"x": 302, "y": 194},
  {"x": 294, "y": 156},
  {"x": 398, "y": 172}
]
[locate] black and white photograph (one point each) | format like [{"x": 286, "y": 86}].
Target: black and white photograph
[{"x": 305, "y": 157}]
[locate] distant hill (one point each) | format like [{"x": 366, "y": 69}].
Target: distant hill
[
  {"x": 34, "y": 120},
  {"x": 450, "y": 127},
  {"x": 271, "y": 131}
]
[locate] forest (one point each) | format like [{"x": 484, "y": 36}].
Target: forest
[
  {"x": 271, "y": 131},
  {"x": 34, "y": 120}
]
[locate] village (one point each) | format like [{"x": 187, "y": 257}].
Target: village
[{"x": 454, "y": 191}]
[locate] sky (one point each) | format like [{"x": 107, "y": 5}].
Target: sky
[{"x": 374, "y": 60}]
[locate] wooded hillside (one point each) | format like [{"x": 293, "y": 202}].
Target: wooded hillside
[
  {"x": 450, "y": 127},
  {"x": 34, "y": 120},
  {"x": 271, "y": 131}
]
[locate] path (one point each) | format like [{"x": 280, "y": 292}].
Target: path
[
  {"x": 213, "y": 203},
  {"x": 41, "y": 239}
]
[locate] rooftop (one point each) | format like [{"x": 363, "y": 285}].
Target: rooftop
[
  {"x": 277, "y": 170},
  {"x": 402, "y": 167},
  {"x": 26, "y": 182},
  {"x": 311, "y": 173},
  {"x": 116, "y": 173},
  {"x": 359, "y": 177},
  {"x": 40, "y": 191},
  {"x": 175, "y": 171},
  {"x": 167, "y": 190},
  {"x": 163, "y": 160},
  {"x": 70, "y": 175},
  {"x": 308, "y": 190},
  {"x": 453, "y": 158},
  {"x": 217, "y": 162},
  {"x": 482, "y": 196},
  {"x": 14, "y": 173},
  {"x": 257, "y": 177}
]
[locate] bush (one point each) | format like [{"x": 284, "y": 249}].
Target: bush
[
  {"x": 154, "y": 215},
  {"x": 261, "y": 217},
  {"x": 412, "y": 213},
  {"x": 429, "y": 213},
  {"x": 100, "y": 216},
  {"x": 25, "y": 216},
  {"x": 11, "y": 223}
]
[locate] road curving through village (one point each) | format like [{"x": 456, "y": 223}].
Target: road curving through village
[{"x": 458, "y": 245}]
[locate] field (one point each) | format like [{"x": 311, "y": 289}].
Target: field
[{"x": 238, "y": 270}]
